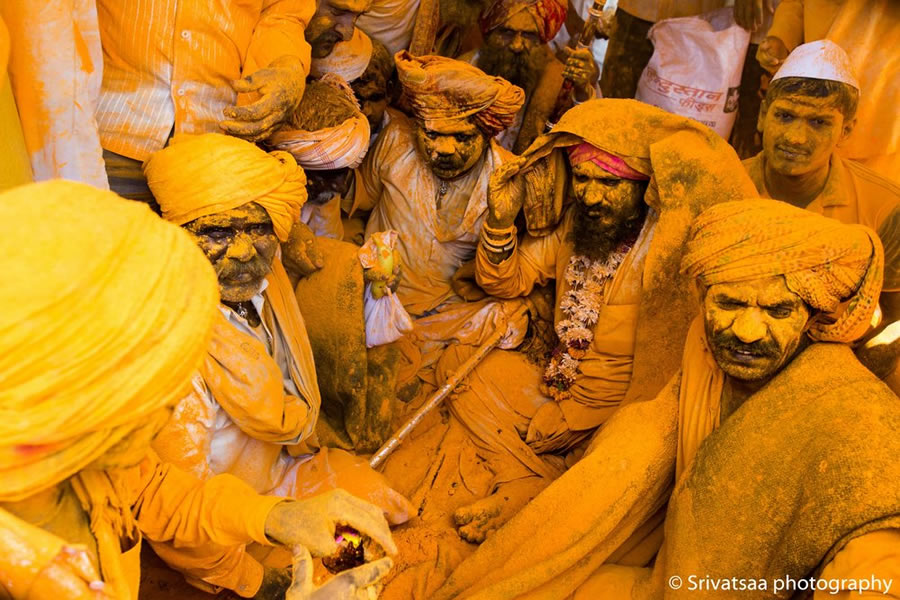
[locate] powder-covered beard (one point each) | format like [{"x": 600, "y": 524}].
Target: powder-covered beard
[
  {"x": 521, "y": 69},
  {"x": 596, "y": 239}
]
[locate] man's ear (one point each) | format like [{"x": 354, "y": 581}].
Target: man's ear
[
  {"x": 761, "y": 117},
  {"x": 848, "y": 128}
]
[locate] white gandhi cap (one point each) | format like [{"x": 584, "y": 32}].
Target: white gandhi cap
[{"x": 822, "y": 59}]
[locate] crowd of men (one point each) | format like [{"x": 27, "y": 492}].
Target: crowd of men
[{"x": 246, "y": 243}]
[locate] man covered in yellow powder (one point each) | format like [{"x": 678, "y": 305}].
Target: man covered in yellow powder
[
  {"x": 808, "y": 112},
  {"x": 516, "y": 47},
  {"x": 608, "y": 254},
  {"x": 256, "y": 402},
  {"x": 782, "y": 445},
  {"x": 98, "y": 340},
  {"x": 862, "y": 28},
  {"x": 426, "y": 178},
  {"x": 638, "y": 174}
]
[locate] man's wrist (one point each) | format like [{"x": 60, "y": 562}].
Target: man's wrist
[{"x": 500, "y": 240}]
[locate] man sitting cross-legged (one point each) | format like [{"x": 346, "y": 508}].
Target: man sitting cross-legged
[
  {"x": 781, "y": 445},
  {"x": 256, "y": 400}
]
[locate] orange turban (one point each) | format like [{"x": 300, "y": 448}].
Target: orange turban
[
  {"x": 441, "y": 88},
  {"x": 822, "y": 260},
  {"x": 106, "y": 313},
  {"x": 207, "y": 174},
  {"x": 548, "y": 15}
]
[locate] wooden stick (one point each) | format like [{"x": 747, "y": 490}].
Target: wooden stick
[{"x": 461, "y": 373}]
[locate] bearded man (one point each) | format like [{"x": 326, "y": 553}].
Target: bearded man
[
  {"x": 256, "y": 400},
  {"x": 809, "y": 110},
  {"x": 782, "y": 445},
  {"x": 334, "y": 21},
  {"x": 599, "y": 254},
  {"x": 516, "y": 47},
  {"x": 114, "y": 315}
]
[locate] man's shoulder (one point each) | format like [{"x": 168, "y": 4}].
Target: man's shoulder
[
  {"x": 397, "y": 135},
  {"x": 865, "y": 177},
  {"x": 754, "y": 168}
]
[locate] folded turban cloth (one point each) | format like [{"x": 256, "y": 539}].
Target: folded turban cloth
[
  {"x": 607, "y": 161},
  {"x": 822, "y": 260},
  {"x": 548, "y": 15},
  {"x": 348, "y": 59},
  {"x": 207, "y": 174},
  {"x": 339, "y": 147},
  {"x": 441, "y": 89},
  {"x": 106, "y": 313}
]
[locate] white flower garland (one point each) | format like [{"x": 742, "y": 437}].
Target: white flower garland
[{"x": 581, "y": 305}]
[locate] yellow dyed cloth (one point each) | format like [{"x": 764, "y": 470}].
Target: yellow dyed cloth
[
  {"x": 56, "y": 70},
  {"x": 207, "y": 174},
  {"x": 444, "y": 89},
  {"x": 16, "y": 168},
  {"x": 132, "y": 360},
  {"x": 99, "y": 338},
  {"x": 860, "y": 27}
]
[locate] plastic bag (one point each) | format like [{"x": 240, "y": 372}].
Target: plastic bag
[
  {"x": 386, "y": 319},
  {"x": 695, "y": 70}
]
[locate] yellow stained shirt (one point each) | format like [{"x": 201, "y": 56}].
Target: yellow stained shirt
[
  {"x": 169, "y": 63},
  {"x": 396, "y": 184}
]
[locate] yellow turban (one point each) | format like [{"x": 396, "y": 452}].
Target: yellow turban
[
  {"x": 442, "y": 88},
  {"x": 105, "y": 313},
  {"x": 207, "y": 174},
  {"x": 822, "y": 260}
]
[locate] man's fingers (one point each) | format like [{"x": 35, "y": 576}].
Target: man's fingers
[
  {"x": 248, "y": 129},
  {"x": 367, "y": 574},
  {"x": 250, "y": 83},
  {"x": 375, "y": 526},
  {"x": 256, "y": 111},
  {"x": 302, "y": 585}
]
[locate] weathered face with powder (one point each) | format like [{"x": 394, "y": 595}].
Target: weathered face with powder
[
  {"x": 514, "y": 51},
  {"x": 450, "y": 147},
  {"x": 754, "y": 328},
  {"x": 371, "y": 91},
  {"x": 241, "y": 245},
  {"x": 608, "y": 209},
  {"x": 332, "y": 22}
]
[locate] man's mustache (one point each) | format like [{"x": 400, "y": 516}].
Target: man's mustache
[
  {"x": 760, "y": 348},
  {"x": 228, "y": 268}
]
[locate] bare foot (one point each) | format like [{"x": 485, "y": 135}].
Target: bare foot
[{"x": 475, "y": 521}]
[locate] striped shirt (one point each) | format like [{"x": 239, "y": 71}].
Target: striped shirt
[{"x": 169, "y": 63}]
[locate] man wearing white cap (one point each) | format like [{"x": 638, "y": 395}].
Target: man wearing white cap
[{"x": 809, "y": 109}]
